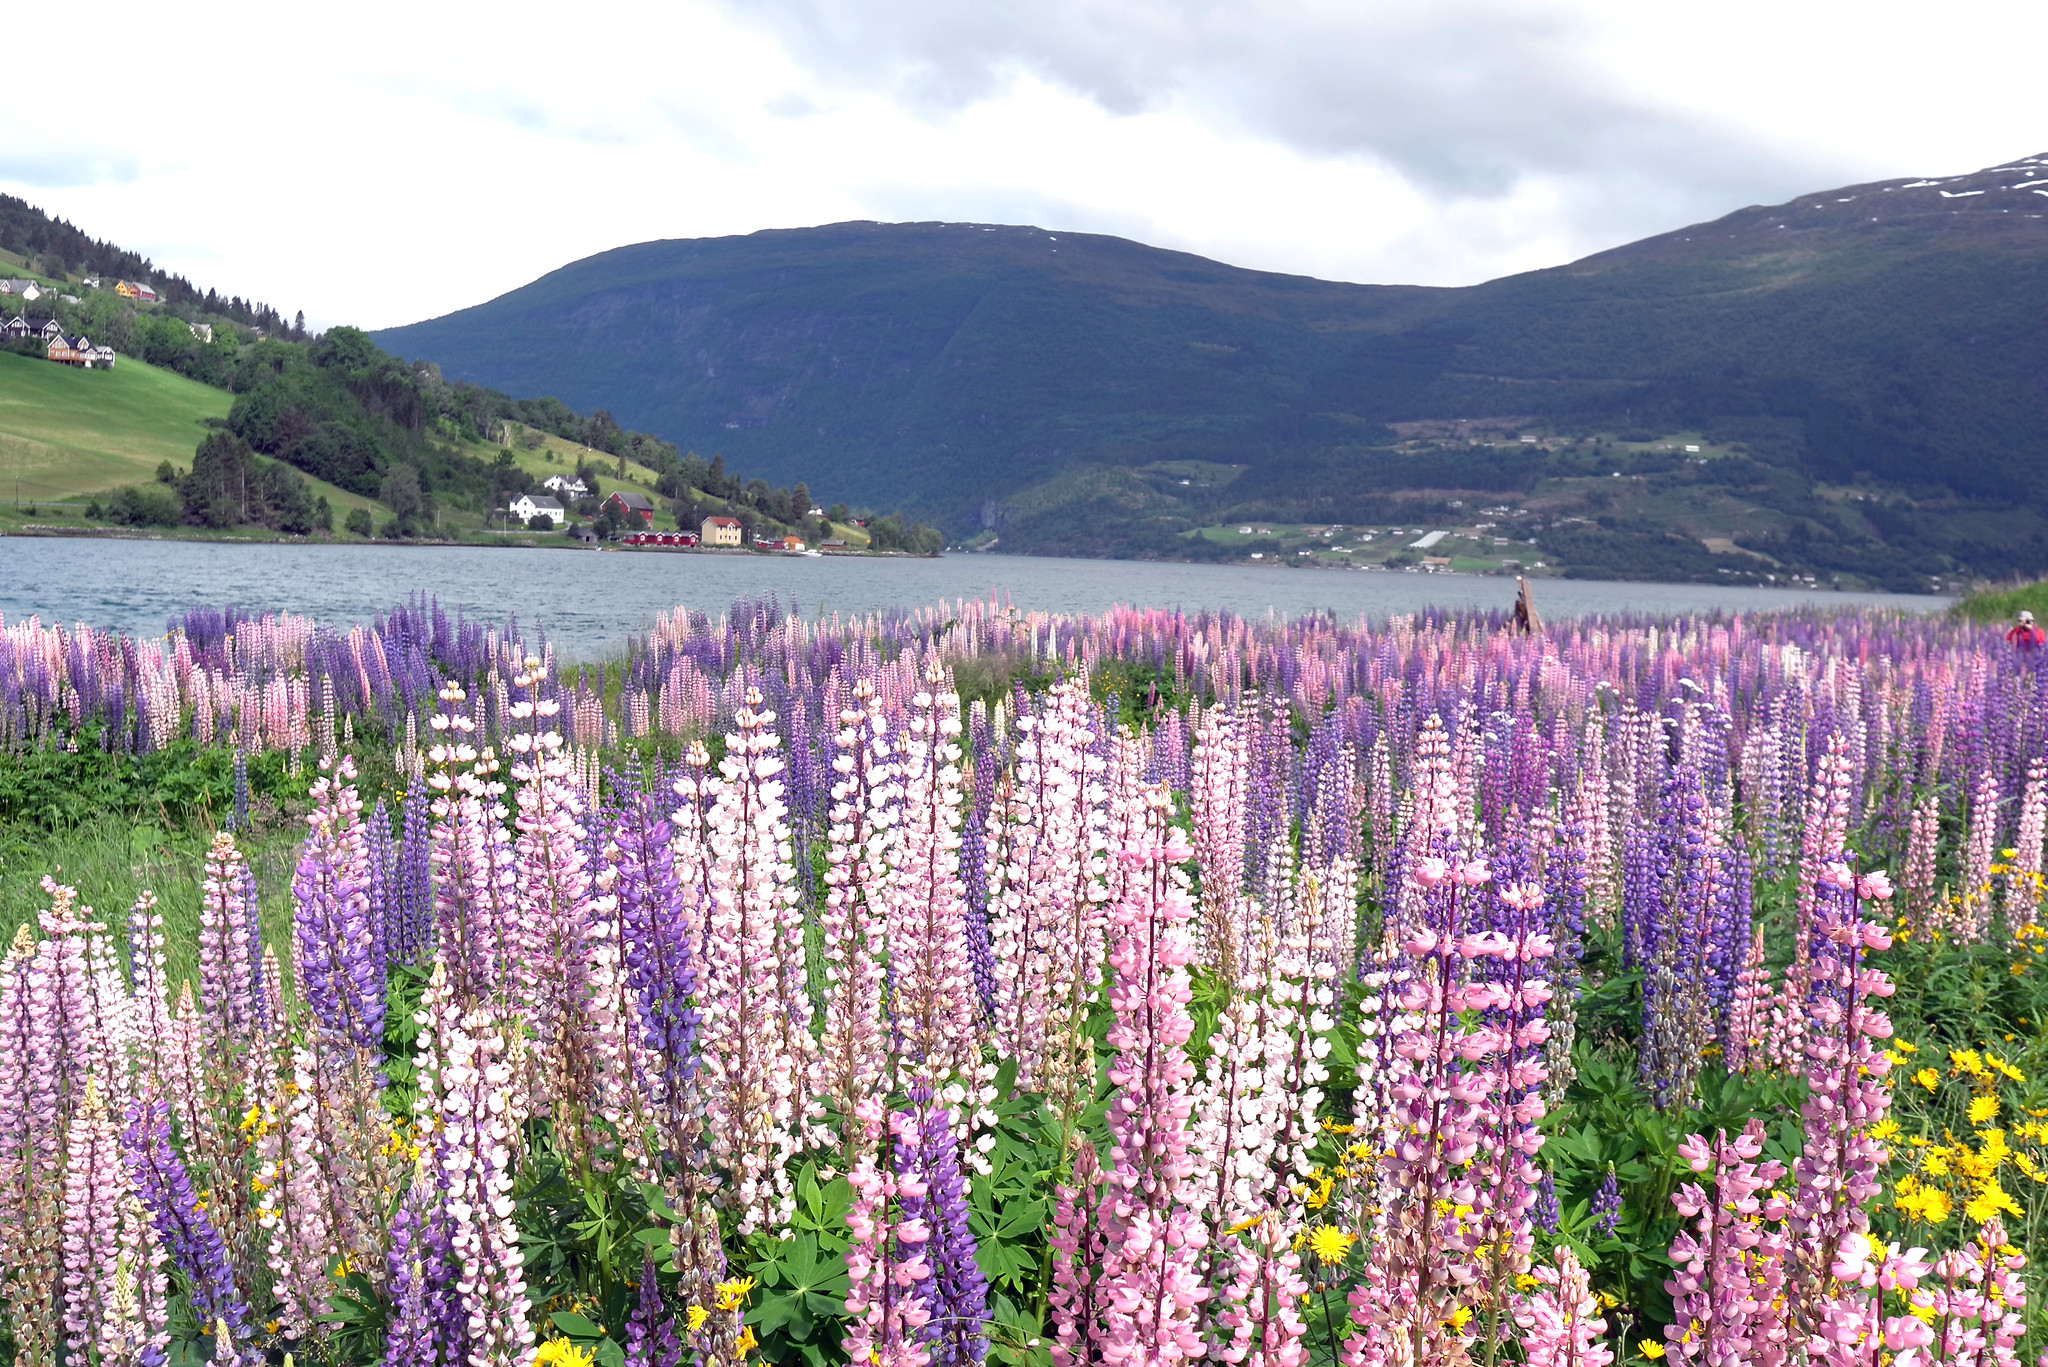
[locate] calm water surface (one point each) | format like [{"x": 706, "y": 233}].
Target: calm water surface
[{"x": 590, "y": 601}]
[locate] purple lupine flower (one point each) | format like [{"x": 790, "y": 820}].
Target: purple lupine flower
[
  {"x": 165, "y": 1190},
  {"x": 650, "y": 1332},
  {"x": 974, "y": 861},
  {"x": 341, "y": 973},
  {"x": 415, "y": 877},
  {"x": 659, "y": 965},
  {"x": 409, "y": 1341},
  {"x": 1547, "y": 1211},
  {"x": 955, "y": 1293},
  {"x": 1606, "y": 1208}
]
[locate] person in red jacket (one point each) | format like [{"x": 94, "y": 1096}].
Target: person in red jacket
[{"x": 2025, "y": 635}]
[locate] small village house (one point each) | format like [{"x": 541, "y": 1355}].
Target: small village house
[
  {"x": 78, "y": 351},
  {"x": 203, "y": 331},
  {"x": 135, "y": 289},
  {"x": 31, "y": 329},
  {"x": 24, "y": 289},
  {"x": 633, "y": 507},
  {"x": 792, "y": 542},
  {"x": 526, "y": 506},
  {"x": 568, "y": 486},
  {"x": 721, "y": 531}
]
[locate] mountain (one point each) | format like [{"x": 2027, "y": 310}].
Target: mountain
[{"x": 1853, "y": 384}]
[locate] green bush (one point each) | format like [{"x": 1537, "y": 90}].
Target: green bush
[{"x": 147, "y": 506}]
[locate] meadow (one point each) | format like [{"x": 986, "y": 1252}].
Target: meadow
[
  {"x": 66, "y": 434},
  {"x": 967, "y": 985}
]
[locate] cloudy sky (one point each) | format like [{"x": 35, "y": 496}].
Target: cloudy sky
[{"x": 415, "y": 158}]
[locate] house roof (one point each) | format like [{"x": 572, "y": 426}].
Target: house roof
[
  {"x": 540, "y": 505},
  {"x": 721, "y": 522},
  {"x": 630, "y": 499}
]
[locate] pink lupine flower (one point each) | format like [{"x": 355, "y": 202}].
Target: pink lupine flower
[
  {"x": 1047, "y": 836},
  {"x": 934, "y": 1009},
  {"x": 1727, "y": 1289},
  {"x": 885, "y": 1259},
  {"x": 1261, "y": 1301},
  {"x": 462, "y": 1123},
  {"x": 852, "y": 1054},
  {"x": 1560, "y": 1321},
  {"x": 756, "y": 1008},
  {"x": 1151, "y": 1281}
]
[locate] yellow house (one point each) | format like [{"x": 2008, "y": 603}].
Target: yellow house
[{"x": 721, "y": 531}]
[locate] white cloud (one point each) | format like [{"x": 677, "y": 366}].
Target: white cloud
[{"x": 416, "y": 159}]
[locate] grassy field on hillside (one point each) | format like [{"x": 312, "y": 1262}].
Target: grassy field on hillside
[{"x": 67, "y": 434}]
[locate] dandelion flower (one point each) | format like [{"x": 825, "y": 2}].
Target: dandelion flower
[
  {"x": 562, "y": 1353},
  {"x": 1330, "y": 1244}
]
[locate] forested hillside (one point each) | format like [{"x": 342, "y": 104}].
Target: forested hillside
[
  {"x": 1864, "y": 374},
  {"x": 435, "y": 456}
]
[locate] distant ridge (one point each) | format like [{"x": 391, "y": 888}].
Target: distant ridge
[{"x": 1876, "y": 356}]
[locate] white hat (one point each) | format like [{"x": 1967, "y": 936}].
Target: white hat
[{"x": 2026, "y": 616}]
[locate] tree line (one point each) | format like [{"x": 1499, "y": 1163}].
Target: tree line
[{"x": 57, "y": 249}]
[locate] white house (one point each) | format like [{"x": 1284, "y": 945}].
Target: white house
[
  {"x": 203, "y": 331},
  {"x": 526, "y": 505},
  {"x": 27, "y": 289},
  {"x": 568, "y": 486}
]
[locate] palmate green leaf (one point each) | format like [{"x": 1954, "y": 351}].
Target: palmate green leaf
[
  {"x": 1005, "y": 1265},
  {"x": 1021, "y": 1218}
]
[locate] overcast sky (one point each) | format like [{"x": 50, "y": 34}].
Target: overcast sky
[{"x": 415, "y": 158}]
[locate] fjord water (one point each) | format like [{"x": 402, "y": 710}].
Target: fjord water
[{"x": 589, "y": 602}]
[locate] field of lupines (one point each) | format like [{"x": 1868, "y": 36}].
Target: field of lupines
[{"x": 971, "y": 986}]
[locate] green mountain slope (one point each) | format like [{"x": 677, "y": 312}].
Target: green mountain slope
[{"x": 1864, "y": 372}]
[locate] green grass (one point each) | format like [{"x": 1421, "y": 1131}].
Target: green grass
[
  {"x": 67, "y": 432},
  {"x": 113, "y": 859},
  {"x": 2002, "y": 605}
]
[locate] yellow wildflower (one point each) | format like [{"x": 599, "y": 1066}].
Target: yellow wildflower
[
  {"x": 1930, "y": 1204},
  {"x": 1989, "y": 1201},
  {"x": 1884, "y": 1130},
  {"x": 746, "y": 1342},
  {"x": 1650, "y": 1349},
  {"x": 1983, "y": 1108},
  {"x": 1460, "y": 1317},
  {"x": 562, "y": 1353},
  {"x": 1905, "y": 1046},
  {"x": 1928, "y": 1078},
  {"x": 696, "y": 1316},
  {"x": 1330, "y": 1244},
  {"x": 731, "y": 1295}
]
